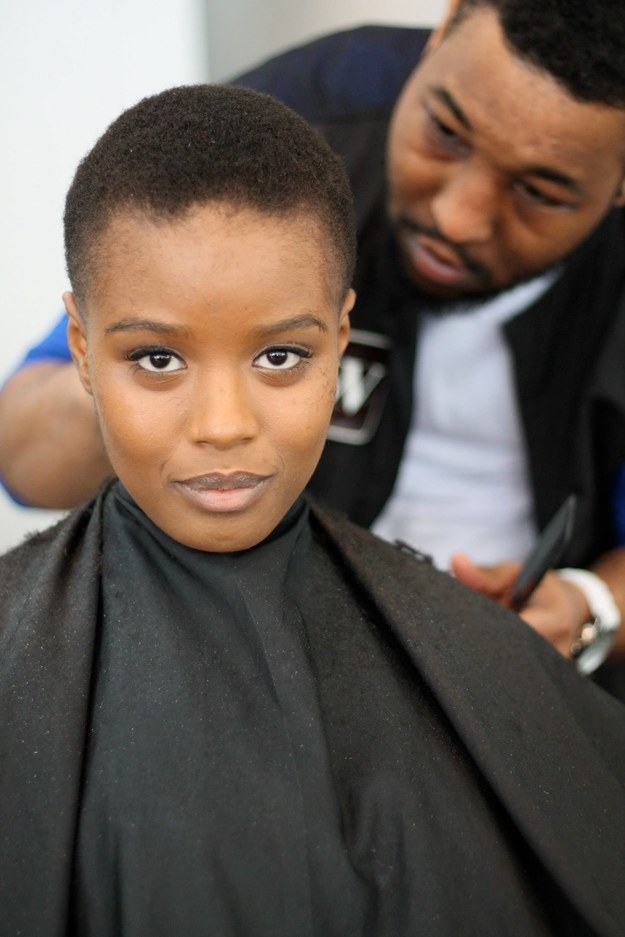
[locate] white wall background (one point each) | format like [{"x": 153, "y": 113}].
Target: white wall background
[
  {"x": 244, "y": 32},
  {"x": 69, "y": 67}
]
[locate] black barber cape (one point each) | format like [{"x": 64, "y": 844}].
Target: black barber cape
[{"x": 319, "y": 736}]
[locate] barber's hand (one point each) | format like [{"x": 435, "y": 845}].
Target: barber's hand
[{"x": 556, "y": 609}]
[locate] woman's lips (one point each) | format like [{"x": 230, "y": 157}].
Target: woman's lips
[{"x": 223, "y": 493}]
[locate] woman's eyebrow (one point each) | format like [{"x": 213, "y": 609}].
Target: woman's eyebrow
[
  {"x": 304, "y": 321},
  {"x": 145, "y": 325}
]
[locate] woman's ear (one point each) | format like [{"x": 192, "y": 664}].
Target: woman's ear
[
  {"x": 343, "y": 333},
  {"x": 619, "y": 197},
  {"x": 77, "y": 340}
]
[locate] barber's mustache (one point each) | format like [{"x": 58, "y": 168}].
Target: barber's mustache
[{"x": 474, "y": 266}]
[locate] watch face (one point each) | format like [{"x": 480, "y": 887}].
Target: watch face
[
  {"x": 596, "y": 642},
  {"x": 585, "y": 639}
]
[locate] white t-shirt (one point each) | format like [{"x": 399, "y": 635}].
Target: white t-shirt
[{"x": 463, "y": 483}]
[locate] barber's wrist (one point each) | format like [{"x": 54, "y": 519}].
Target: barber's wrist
[{"x": 597, "y": 634}]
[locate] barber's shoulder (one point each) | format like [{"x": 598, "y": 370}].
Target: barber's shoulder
[{"x": 331, "y": 77}]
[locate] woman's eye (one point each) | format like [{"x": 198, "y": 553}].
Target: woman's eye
[
  {"x": 281, "y": 359},
  {"x": 157, "y": 361}
]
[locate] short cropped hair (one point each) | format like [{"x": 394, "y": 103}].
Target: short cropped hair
[
  {"x": 581, "y": 43},
  {"x": 207, "y": 143}
]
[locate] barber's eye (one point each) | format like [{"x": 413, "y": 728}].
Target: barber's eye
[
  {"x": 443, "y": 129},
  {"x": 533, "y": 194},
  {"x": 157, "y": 361},
  {"x": 444, "y": 136},
  {"x": 281, "y": 359}
]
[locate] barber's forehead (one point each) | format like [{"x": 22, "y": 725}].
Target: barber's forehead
[{"x": 475, "y": 55}]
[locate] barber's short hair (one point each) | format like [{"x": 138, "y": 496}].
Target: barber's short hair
[
  {"x": 581, "y": 43},
  {"x": 207, "y": 143}
]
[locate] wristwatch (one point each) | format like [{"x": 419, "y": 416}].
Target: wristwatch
[{"x": 595, "y": 639}]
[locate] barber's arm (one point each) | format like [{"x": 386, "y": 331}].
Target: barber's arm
[
  {"x": 51, "y": 452},
  {"x": 559, "y": 608}
]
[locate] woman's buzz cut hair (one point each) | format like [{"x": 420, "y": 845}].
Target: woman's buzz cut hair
[{"x": 207, "y": 143}]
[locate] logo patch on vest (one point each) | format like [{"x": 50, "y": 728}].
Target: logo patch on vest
[{"x": 362, "y": 388}]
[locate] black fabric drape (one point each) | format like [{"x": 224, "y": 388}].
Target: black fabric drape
[{"x": 465, "y": 780}]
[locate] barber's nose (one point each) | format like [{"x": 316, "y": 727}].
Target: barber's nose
[
  {"x": 465, "y": 207},
  {"x": 221, "y": 413}
]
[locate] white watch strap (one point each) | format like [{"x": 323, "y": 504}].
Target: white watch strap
[{"x": 604, "y": 610}]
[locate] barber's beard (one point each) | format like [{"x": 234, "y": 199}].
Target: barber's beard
[
  {"x": 468, "y": 261},
  {"x": 470, "y": 302},
  {"x": 463, "y": 304}
]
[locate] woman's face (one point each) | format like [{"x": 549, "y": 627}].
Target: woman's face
[{"x": 211, "y": 346}]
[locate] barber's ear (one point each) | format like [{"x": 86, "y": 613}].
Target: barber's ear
[
  {"x": 438, "y": 33},
  {"x": 77, "y": 340},
  {"x": 346, "y": 308}
]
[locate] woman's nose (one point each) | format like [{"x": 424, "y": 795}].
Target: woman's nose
[{"x": 222, "y": 412}]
